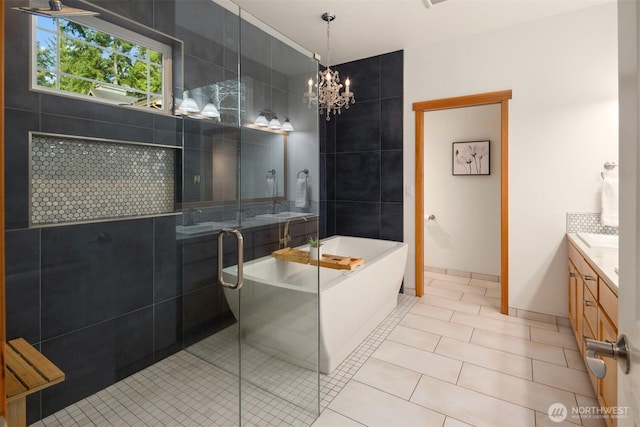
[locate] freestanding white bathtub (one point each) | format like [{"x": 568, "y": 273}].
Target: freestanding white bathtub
[{"x": 279, "y": 303}]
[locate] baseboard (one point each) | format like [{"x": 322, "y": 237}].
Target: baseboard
[{"x": 461, "y": 273}]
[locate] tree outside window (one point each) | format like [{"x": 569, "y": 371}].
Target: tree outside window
[{"x": 72, "y": 57}]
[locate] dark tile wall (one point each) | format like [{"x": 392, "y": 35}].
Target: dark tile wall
[
  {"x": 107, "y": 299},
  {"x": 84, "y": 295},
  {"x": 361, "y": 154}
]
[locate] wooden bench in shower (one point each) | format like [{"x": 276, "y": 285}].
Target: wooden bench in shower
[{"x": 28, "y": 371}]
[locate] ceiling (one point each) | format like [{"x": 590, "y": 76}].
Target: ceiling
[{"x": 365, "y": 28}]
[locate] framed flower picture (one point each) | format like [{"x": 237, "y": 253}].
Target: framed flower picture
[{"x": 471, "y": 158}]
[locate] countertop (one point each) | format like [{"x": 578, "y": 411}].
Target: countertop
[
  {"x": 249, "y": 223},
  {"x": 603, "y": 260}
]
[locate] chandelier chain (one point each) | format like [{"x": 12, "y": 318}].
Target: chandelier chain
[{"x": 328, "y": 44}]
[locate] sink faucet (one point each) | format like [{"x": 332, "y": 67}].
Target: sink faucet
[
  {"x": 274, "y": 209},
  {"x": 286, "y": 236},
  {"x": 187, "y": 216}
]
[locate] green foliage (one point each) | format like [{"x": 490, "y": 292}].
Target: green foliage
[
  {"x": 46, "y": 59},
  {"x": 101, "y": 57},
  {"x": 314, "y": 243}
]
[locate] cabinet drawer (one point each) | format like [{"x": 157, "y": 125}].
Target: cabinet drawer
[
  {"x": 590, "y": 278},
  {"x": 575, "y": 257},
  {"x": 609, "y": 302}
]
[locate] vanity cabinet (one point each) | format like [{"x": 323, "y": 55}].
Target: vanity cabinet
[{"x": 593, "y": 312}]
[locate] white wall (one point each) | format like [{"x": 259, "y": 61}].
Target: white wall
[
  {"x": 563, "y": 127},
  {"x": 466, "y": 233}
]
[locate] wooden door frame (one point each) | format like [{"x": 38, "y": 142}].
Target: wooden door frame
[{"x": 502, "y": 98}]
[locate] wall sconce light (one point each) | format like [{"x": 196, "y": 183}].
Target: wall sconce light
[
  {"x": 269, "y": 119},
  {"x": 188, "y": 104},
  {"x": 275, "y": 123},
  {"x": 287, "y": 126},
  {"x": 261, "y": 120},
  {"x": 210, "y": 111}
]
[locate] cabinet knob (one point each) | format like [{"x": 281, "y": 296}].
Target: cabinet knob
[
  {"x": 588, "y": 303},
  {"x": 587, "y": 277},
  {"x": 572, "y": 274}
]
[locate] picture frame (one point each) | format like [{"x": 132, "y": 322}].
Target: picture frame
[{"x": 471, "y": 158}]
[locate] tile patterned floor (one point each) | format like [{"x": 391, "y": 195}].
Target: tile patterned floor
[
  {"x": 454, "y": 360},
  {"x": 178, "y": 391},
  {"x": 448, "y": 359}
]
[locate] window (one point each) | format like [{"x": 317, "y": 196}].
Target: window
[{"x": 91, "y": 58}]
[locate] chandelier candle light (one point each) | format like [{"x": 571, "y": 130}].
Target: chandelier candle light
[{"x": 329, "y": 98}]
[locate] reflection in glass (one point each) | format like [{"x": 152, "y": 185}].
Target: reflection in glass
[{"x": 235, "y": 174}]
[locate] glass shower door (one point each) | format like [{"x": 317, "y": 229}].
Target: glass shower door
[
  {"x": 279, "y": 300},
  {"x": 261, "y": 336}
]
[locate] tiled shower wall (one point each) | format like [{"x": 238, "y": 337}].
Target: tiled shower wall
[
  {"x": 105, "y": 299},
  {"x": 361, "y": 153},
  {"x": 78, "y": 179},
  {"x": 101, "y": 300}
]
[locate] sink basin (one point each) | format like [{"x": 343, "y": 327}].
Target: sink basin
[
  {"x": 284, "y": 215},
  {"x": 201, "y": 228},
  {"x": 594, "y": 240}
]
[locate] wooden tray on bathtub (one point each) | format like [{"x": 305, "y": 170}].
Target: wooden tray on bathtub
[{"x": 329, "y": 261}]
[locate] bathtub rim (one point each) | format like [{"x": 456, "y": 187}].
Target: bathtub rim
[{"x": 342, "y": 275}]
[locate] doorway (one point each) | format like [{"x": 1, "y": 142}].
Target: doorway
[{"x": 420, "y": 109}]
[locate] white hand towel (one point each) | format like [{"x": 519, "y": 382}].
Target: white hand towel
[
  {"x": 301, "y": 193},
  {"x": 270, "y": 188},
  {"x": 609, "y": 215}
]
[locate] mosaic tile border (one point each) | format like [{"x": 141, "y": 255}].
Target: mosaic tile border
[
  {"x": 77, "y": 179},
  {"x": 588, "y": 223}
]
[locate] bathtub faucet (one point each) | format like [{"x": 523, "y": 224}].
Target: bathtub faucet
[{"x": 286, "y": 237}]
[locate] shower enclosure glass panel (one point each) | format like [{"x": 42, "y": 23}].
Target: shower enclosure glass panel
[
  {"x": 251, "y": 337},
  {"x": 279, "y": 348}
]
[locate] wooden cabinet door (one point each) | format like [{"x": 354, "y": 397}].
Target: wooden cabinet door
[
  {"x": 590, "y": 307},
  {"x": 573, "y": 283},
  {"x": 580, "y": 312},
  {"x": 608, "y": 386}
]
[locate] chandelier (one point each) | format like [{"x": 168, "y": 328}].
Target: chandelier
[{"x": 329, "y": 98}]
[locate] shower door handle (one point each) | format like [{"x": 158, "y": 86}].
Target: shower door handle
[{"x": 238, "y": 235}]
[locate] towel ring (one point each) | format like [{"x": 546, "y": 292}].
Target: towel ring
[
  {"x": 305, "y": 172},
  {"x": 608, "y": 166}
]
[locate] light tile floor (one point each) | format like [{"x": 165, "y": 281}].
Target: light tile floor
[
  {"x": 199, "y": 387},
  {"x": 454, "y": 360},
  {"x": 448, "y": 359}
]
